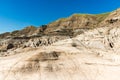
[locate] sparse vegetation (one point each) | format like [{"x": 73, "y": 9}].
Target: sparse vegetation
[{"x": 101, "y": 17}]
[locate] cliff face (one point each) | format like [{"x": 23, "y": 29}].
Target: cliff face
[
  {"x": 61, "y": 29},
  {"x": 68, "y": 26},
  {"x": 64, "y": 26},
  {"x": 78, "y": 21}
]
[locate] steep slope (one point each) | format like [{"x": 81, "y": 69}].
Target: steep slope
[
  {"x": 63, "y": 26},
  {"x": 61, "y": 29},
  {"x": 32, "y": 36},
  {"x": 77, "y": 21},
  {"x": 93, "y": 55}
]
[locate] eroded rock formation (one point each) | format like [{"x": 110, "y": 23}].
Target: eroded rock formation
[{"x": 81, "y": 47}]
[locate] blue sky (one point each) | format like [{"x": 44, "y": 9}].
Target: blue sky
[{"x": 17, "y": 14}]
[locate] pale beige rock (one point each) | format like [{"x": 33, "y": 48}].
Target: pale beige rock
[
  {"x": 89, "y": 59},
  {"x": 94, "y": 54}
]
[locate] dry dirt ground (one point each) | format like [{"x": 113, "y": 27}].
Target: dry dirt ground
[
  {"x": 60, "y": 63},
  {"x": 68, "y": 59}
]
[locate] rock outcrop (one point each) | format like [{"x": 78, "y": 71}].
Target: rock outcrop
[
  {"x": 81, "y": 47},
  {"x": 43, "y": 41},
  {"x": 61, "y": 29}
]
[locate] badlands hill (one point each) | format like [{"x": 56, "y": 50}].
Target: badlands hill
[{"x": 80, "y": 47}]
